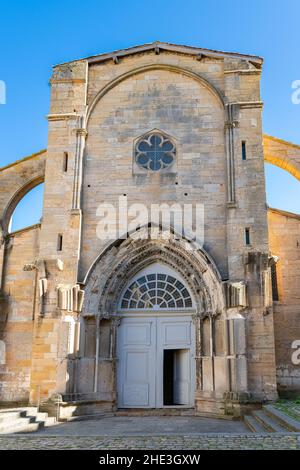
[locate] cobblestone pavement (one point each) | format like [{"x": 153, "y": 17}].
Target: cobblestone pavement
[
  {"x": 161, "y": 433},
  {"x": 193, "y": 442}
]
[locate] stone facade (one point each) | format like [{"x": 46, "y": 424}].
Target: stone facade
[
  {"x": 284, "y": 232},
  {"x": 61, "y": 284}
]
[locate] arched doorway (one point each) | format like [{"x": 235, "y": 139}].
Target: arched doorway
[
  {"x": 195, "y": 312},
  {"x": 156, "y": 341}
]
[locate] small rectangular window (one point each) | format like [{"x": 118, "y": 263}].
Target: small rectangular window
[
  {"x": 65, "y": 162},
  {"x": 59, "y": 242},
  {"x": 247, "y": 236},
  {"x": 244, "y": 150}
]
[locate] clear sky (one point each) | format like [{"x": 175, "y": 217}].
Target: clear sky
[{"x": 34, "y": 35}]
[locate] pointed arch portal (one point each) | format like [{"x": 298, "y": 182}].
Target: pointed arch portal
[{"x": 154, "y": 311}]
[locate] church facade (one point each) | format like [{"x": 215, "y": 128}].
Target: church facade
[{"x": 101, "y": 306}]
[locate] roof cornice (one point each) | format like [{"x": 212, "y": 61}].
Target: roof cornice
[{"x": 158, "y": 46}]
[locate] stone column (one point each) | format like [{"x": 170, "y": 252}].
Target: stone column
[
  {"x": 237, "y": 353},
  {"x": 198, "y": 352},
  {"x": 115, "y": 323},
  {"x": 97, "y": 349},
  {"x": 2, "y": 250}
]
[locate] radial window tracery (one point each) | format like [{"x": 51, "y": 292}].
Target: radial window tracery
[
  {"x": 154, "y": 151},
  {"x": 158, "y": 291}
]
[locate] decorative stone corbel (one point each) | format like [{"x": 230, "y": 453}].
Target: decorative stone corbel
[
  {"x": 259, "y": 274},
  {"x": 40, "y": 266},
  {"x": 257, "y": 260},
  {"x": 70, "y": 297},
  {"x": 236, "y": 294},
  {"x": 273, "y": 259}
]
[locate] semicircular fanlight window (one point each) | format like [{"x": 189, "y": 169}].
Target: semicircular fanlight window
[{"x": 157, "y": 291}]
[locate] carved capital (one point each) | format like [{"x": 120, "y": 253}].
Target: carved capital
[
  {"x": 81, "y": 132},
  {"x": 231, "y": 124}
]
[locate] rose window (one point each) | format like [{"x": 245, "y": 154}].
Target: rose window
[{"x": 154, "y": 152}]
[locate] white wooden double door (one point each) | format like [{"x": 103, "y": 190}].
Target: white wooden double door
[{"x": 141, "y": 346}]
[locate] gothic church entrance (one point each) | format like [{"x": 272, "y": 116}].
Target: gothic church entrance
[{"x": 155, "y": 341}]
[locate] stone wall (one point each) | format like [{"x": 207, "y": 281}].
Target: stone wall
[
  {"x": 17, "y": 311},
  {"x": 183, "y": 97},
  {"x": 209, "y": 105},
  {"x": 284, "y": 233}
]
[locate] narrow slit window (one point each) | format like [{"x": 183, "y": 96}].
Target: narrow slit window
[
  {"x": 274, "y": 280},
  {"x": 247, "y": 236},
  {"x": 65, "y": 162},
  {"x": 244, "y": 150},
  {"x": 59, "y": 242}
]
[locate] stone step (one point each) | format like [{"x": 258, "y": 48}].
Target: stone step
[
  {"x": 21, "y": 409},
  {"x": 10, "y": 416},
  {"x": 24, "y": 428},
  {"x": 10, "y": 426},
  {"x": 23, "y": 420},
  {"x": 283, "y": 419},
  {"x": 155, "y": 412},
  {"x": 254, "y": 425},
  {"x": 270, "y": 424}
]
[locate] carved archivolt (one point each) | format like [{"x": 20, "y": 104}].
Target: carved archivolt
[{"x": 111, "y": 272}]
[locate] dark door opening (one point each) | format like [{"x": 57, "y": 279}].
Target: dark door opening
[
  {"x": 175, "y": 383},
  {"x": 169, "y": 377}
]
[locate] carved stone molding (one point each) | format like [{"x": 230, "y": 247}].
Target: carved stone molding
[
  {"x": 232, "y": 111},
  {"x": 112, "y": 271}
]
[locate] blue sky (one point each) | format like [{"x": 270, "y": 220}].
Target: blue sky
[{"x": 34, "y": 35}]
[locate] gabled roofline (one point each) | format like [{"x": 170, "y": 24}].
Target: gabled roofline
[
  {"x": 292, "y": 215},
  {"x": 165, "y": 46}
]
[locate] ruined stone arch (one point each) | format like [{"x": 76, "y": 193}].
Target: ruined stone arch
[
  {"x": 16, "y": 198},
  {"x": 120, "y": 262},
  {"x": 17, "y": 180},
  {"x": 282, "y": 154}
]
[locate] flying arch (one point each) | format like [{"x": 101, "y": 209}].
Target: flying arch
[{"x": 282, "y": 154}]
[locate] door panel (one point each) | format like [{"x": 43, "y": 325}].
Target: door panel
[
  {"x": 176, "y": 332},
  {"x": 141, "y": 342},
  {"x": 136, "y": 367},
  {"x": 182, "y": 377}
]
